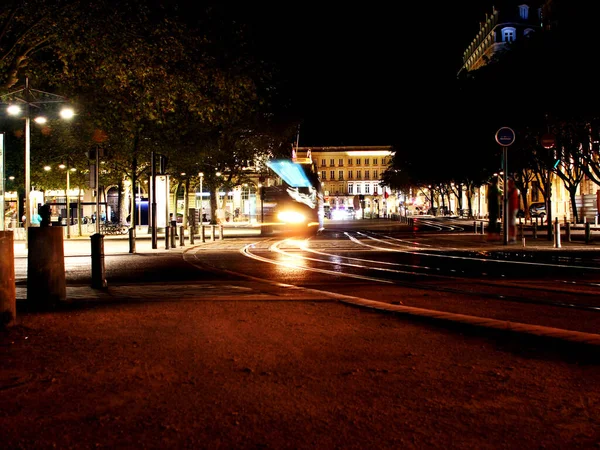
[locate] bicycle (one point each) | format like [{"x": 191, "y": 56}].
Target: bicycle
[{"x": 113, "y": 228}]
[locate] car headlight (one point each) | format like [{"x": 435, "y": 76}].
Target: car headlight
[{"x": 291, "y": 217}]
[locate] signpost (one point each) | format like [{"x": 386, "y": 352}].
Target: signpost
[{"x": 505, "y": 136}]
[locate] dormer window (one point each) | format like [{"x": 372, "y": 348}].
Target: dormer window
[
  {"x": 527, "y": 32},
  {"x": 508, "y": 34},
  {"x": 524, "y": 12}
]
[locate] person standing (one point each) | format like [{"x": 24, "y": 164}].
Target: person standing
[
  {"x": 513, "y": 207},
  {"x": 493, "y": 203}
]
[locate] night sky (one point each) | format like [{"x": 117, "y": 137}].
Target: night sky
[{"x": 367, "y": 75}]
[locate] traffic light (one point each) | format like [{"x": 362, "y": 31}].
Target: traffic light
[{"x": 162, "y": 164}]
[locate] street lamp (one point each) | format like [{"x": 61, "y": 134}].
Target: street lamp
[
  {"x": 31, "y": 99},
  {"x": 201, "y": 175}
]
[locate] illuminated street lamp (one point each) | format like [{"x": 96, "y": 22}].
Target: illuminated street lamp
[{"x": 31, "y": 99}]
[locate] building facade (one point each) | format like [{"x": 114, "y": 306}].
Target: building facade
[{"x": 351, "y": 178}]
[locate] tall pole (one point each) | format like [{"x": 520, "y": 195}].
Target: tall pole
[
  {"x": 27, "y": 163},
  {"x": 68, "y": 204},
  {"x": 153, "y": 200},
  {"x": 505, "y": 217},
  {"x": 97, "y": 190},
  {"x": 201, "y": 197},
  {"x": 139, "y": 203}
]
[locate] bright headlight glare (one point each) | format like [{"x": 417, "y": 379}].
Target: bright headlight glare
[{"x": 291, "y": 217}]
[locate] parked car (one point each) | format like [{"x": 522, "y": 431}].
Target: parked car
[{"x": 537, "y": 209}]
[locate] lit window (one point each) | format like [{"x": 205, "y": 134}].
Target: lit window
[
  {"x": 358, "y": 188},
  {"x": 350, "y": 162},
  {"x": 375, "y": 175},
  {"x": 508, "y": 34},
  {"x": 374, "y": 161},
  {"x": 323, "y": 175},
  {"x": 350, "y": 188},
  {"x": 341, "y": 162},
  {"x": 358, "y": 161},
  {"x": 366, "y": 161},
  {"x": 367, "y": 189},
  {"x": 524, "y": 12},
  {"x": 366, "y": 172},
  {"x": 323, "y": 163},
  {"x": 332, "y": 162}
]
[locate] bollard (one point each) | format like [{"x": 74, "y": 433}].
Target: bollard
[
  {"x": 569, "y": 231},
  {"x": 482, "y": 228},
  {"x": 475, "y": 226},
  {"x": 521, "y": 230},
  {"x": 46, "y": 279},
  {"x": 202, "y": 234},
  {"x": 173, "y": 236},
  {"x": 132, "y": 240},
  {"x": 588, "y": 233},
  {"x": 8, "y": 291},
  {"x": 181, "y": 236},
  {"x": 596, "y": 219},
  {"x": 212, "y": 232},
  {"x": 535, "y": 230},
  {"x": 98, "y": 279},
  {"x": 221, "y": 235},
  {"x": 167, "y": 237},
  {"x": 192, "y": 232},
  {"x": 556, "y": 233}
]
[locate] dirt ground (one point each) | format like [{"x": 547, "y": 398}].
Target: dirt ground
[{"x": 285, "y": 375}]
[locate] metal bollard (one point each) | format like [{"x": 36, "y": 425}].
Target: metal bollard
[
  {"x": 98, "y": 279},
  {"x": 221, "y": 236},
  {"x": 556, "y": 233},
  {"x": 202, "y": 233},
  {"x": 535, "y": 230},
  {"x": 212, "y": 232},
  {"x": 588, "y": 233},
  {"x": 173, "y": 236},
  {"x": 132, "y": 240},
  {"x": 475, "y": 226},
  {"x": 167, "y": 238},
  {"x": 568, "y": 231},
  {"x": 192, "y": 232},
  {"x": 181, "y": 236},
  {"x": 521, "y": 230},
  {"x": 482, "y": 228}
]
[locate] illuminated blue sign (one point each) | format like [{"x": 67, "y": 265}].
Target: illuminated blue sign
[{"x": 290, "y": 172}]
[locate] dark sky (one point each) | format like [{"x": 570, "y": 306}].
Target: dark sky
[{"x": 370, "y": 74}]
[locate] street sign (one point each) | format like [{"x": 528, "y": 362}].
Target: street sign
[
  {"x": 505, "y": 136},
  {"x": 548, "y": 140}
]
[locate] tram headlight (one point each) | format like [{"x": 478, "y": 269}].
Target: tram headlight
[{"x": 291, "y": 217}]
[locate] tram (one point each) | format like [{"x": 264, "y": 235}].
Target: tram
[{"x": 296, "y": 205}]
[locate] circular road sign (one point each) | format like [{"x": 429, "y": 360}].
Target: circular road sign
[
  {"x": 548, "y": 140},
  {"x": 505, "y": 136}
]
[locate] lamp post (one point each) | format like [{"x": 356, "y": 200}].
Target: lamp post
[
  {"x": 31, "y": 99},
  {"x": 67, "y": 198}
]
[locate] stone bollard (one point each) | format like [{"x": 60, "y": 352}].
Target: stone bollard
[
  {"x": 181, "y": 236},
  {"x": 167, "y": 237},
  {"x": 221, "y": 235},
  {"x": 46, "y": 279},
  {"x": 212, "y": 232},
  {"x": 8, "y": 292},
  {"x": 556, "y": 233},
  {"x": 202, "y": 233},
  {"x": 475, "y": 226},
  {"x": 98, "y": 273},
  {"x": 192, "y": 232},
  {"x": 568, "y": 232}
]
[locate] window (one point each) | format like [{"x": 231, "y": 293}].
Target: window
[
  {"x": 375, "y": 187},
  {"x": 375, "y": 175},
  {"x": 350, "y": 162},
  {"x": 349, "y": 174},
  {"x": 331, "y": 162},
  {"x": 340, "y": 174},
  {"x": 366, "y": 161},
  {"x": 332, "y": 174},
  {"x": 358, "y": 175},
  {"x": 323, "y": 163},
  {"x": 366, "y": 174},
  {"x": 358, "y": 161},
  {"x": 350, "y": 188},
  {"x": 340, "y": 189},
  {"x": 358, "y": 189},
  {"x": 374, "y": 161},
  {"x": 508, "y": 34},
  {"x": 383, "y": 161},
  {"x": 341, "y": 162},
  {"x": 323, "y": 175},
  {"x": 367, "y": 189},
  {"x": 524, "y": 11}
]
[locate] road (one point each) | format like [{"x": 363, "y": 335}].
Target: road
[{"x": 362, "y": 337}]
